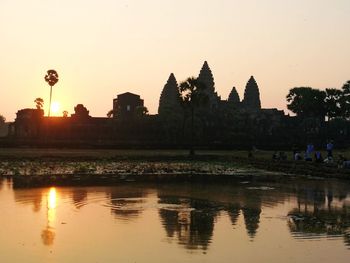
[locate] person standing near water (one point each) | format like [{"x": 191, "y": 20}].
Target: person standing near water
[
  {"x": 329, "y": 148},
  {"x": 309, "y": 150}
]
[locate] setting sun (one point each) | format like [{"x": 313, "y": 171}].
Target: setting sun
[{"x": 55, "y": 108}]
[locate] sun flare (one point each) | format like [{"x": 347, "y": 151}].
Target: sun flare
[{"x": 55, "y": 108}]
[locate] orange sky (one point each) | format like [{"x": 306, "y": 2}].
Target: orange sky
[{"x": 106, "y": 47}]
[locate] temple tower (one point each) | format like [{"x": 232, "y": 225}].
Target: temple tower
[
  {"x": 251, "y": 99},
  {"x": 206, "y": 77},
  {"x": 233, "y": 98},
  {"x": 170, "y": 97}
]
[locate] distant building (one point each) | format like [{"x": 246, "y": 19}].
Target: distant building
[
  {"x": 126, "y": 104},
  {"x": 28, "y": 123},
  {"x": 224, "y": 123}
]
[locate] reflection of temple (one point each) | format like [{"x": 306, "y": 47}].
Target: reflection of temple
[
  {"x": 191, "y": 220},
  {"x": 251, "y": 219},
  {"x": 234, "y": 212},
  {"x": 126, "y": 205}
]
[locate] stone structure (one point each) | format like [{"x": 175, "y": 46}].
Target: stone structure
[
  {"x": 126, "y": 104},
  {"x": 28, "y": 123},
  {"x": 251, "y": 100},
  {"x": 206, "y": 77},
  {"x": 170, "y": 97},
  {"x": 230, "y": 123},
  {"x": 233, "y": 98}
]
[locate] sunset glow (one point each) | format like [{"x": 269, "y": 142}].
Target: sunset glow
[
  {"x": 55, "y": 108},
  {"x": 134, "y": 46}
]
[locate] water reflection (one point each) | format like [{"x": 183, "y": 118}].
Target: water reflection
[
  {"x": 190, "y": 220},
  {"x": 48, "y": 234},
  {"x": 319, "y": 214},
  {"x": 189, "y": 215},
  {"x": 126, "y": 205},
  {"x": 33, "y": 197},
  {"x": 79, "y": 197},
  {"x": 233, "y": 211}
]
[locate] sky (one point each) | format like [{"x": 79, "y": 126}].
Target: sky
[{"x": 101, "y": 48}]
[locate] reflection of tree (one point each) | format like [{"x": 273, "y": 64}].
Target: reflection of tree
[
  {"x": 48, "y": 236},
  {"x": 318, "y": 223},
  {"x": 347, "y": 238},
  {"x": 316, "y": 216},
  {"x": 1, "y": 183},
  {"x": 192, "y": 220},
  {"x": 34, "y": 197}
]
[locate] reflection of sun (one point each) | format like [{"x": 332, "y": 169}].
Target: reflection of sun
[
  {"x": 55, "y": 107},
  {"x": 51, "y": 205},
  {"x": 52, "y": 198}
]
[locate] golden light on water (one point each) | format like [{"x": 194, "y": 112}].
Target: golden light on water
[
  {"x": 51, "y": 205},
  {"x": 48, "y": 234},
  {"x": 52, "y": 198}
]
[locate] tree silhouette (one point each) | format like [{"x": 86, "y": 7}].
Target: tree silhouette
[
  {"x": 51, "y": 78},
  {"x": 333, "y": 103},
  {"x": 110, "y": 114},
  {"x": 193, "y": 96},
  {"x": 39, "y": 103},
  {"x": 2, "y": 120},
  {"x": 307, "y": 102},
  {"x": 141, "y": 111},
  {"x": 345, "y": 100}
]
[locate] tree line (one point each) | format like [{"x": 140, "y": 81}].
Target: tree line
[{"x": 309, "y": 102}]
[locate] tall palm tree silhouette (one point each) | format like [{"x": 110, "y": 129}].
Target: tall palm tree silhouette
[
  {"x": 193, "y": 97},
  {"x": 51, "y": 78}
]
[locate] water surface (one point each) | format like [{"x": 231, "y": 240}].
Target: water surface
[{"x": 300, "y": 221}]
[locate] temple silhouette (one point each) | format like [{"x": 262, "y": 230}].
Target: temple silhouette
[{"x": 220, "y": 123}]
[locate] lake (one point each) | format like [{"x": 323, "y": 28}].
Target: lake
[{"x": 298, "y": 221}]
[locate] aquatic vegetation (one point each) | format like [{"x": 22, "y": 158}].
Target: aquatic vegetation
[{"x": 54, "y": 167}]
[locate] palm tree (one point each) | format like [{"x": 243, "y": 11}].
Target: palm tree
[
  {"x": 51, "y": 78},
  {"x": 193, "y": 96}
]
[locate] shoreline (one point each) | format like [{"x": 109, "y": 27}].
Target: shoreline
[{"x": 30, "y": 167}]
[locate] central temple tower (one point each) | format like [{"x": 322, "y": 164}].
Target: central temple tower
[{"x": 206, "y": 77}]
